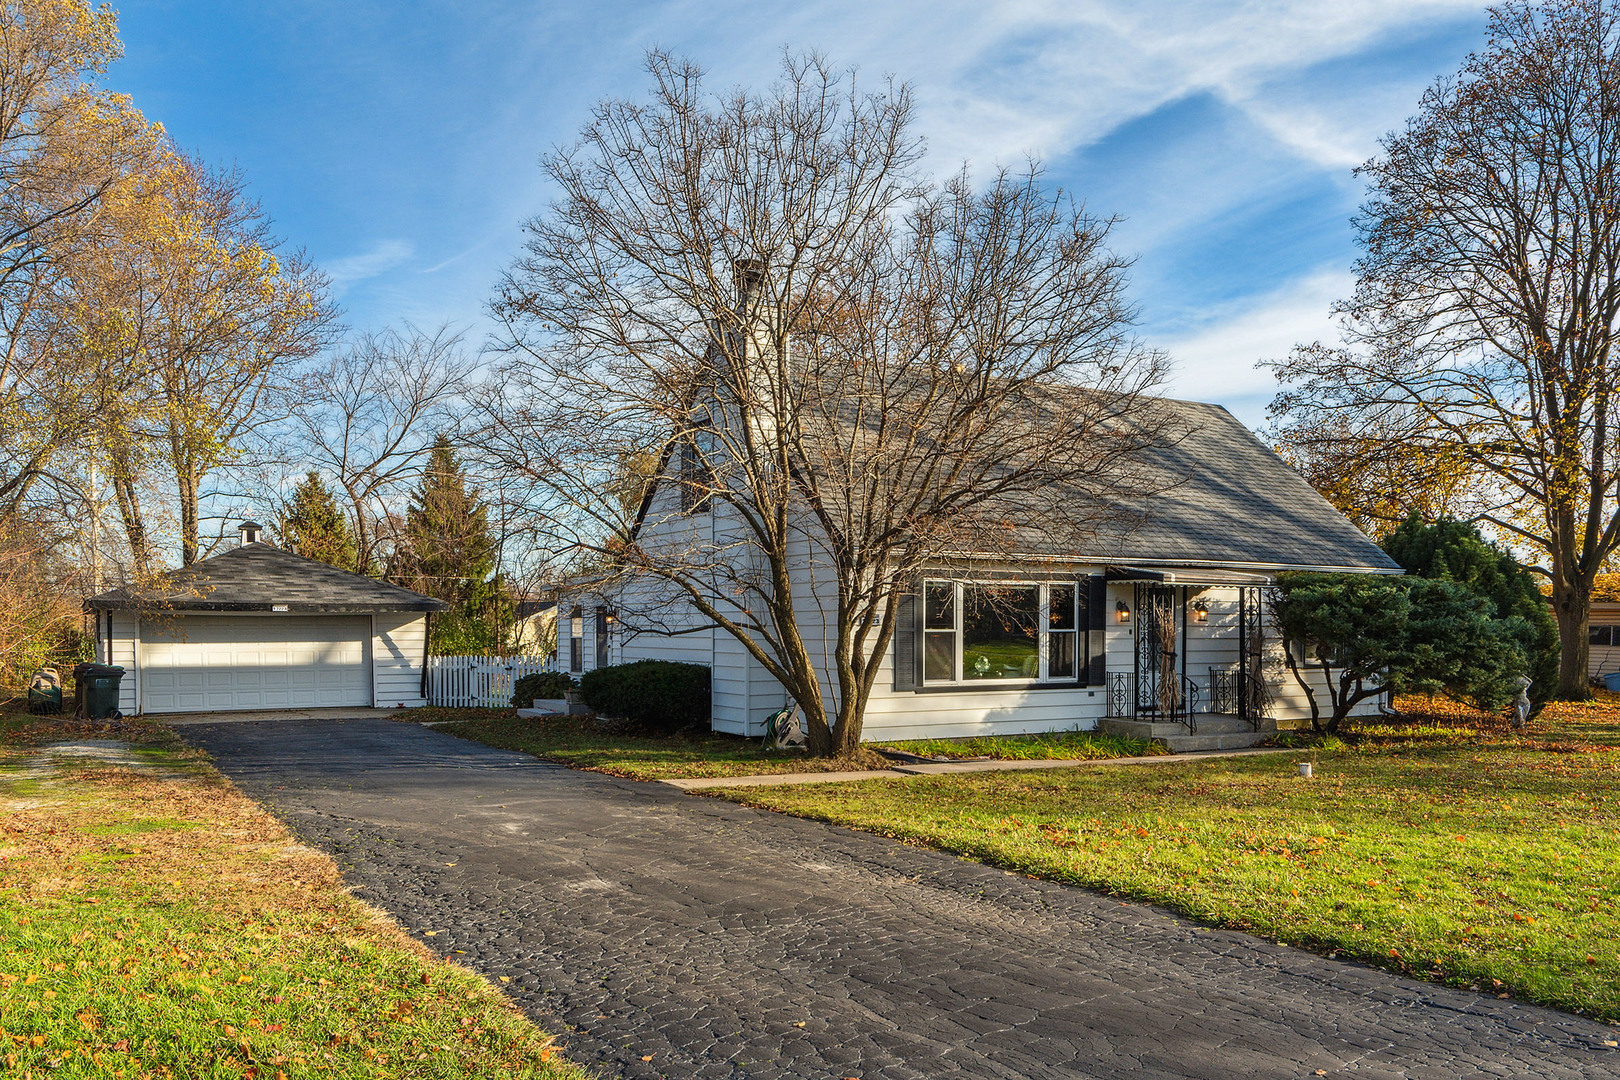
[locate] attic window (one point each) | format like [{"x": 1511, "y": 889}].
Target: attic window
[{"x": 696, "y": 477}]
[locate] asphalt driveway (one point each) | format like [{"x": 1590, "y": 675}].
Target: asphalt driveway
[{"x": 666, "y": 935}]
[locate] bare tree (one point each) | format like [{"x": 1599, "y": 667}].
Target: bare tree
[
  {"x": 846, "y": 371},
  {"x": 1489, "y": 292},
  {"x": 369, "y": 419}
]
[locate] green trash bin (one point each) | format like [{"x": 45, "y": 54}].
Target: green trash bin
[{"x": 98, "y": 690}]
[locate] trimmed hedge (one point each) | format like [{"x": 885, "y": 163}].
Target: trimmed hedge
[
  {"x": 658, "y": 693},
  {"x": 547, "y": 684}
]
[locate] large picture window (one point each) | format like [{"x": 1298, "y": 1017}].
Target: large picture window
[{"x": 1001, "y": 632}]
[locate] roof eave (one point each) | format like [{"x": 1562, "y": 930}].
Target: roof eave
[
  {"x": 97, "y": 603},
  {"x": 1211, "y": 564}
]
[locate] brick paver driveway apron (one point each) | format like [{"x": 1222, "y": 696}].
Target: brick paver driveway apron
[{"x": 721, "y": 941}]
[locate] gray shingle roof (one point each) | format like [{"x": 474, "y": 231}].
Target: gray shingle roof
[
  {"x": 259, "y": 577},
  {"x": 1225, "y": 498}
]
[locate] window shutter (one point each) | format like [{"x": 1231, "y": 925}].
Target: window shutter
[
  {"x": 905, "y": 642},
  {"x": 1096, "y": 626}
]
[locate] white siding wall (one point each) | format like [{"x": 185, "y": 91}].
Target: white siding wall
[
  {"x": 953, "y": 713},
  {"x": 398, "y": 640},
  {"x": 125, "y": 648}
]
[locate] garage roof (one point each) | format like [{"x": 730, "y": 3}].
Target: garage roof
[{"x": 260, "y": 577}]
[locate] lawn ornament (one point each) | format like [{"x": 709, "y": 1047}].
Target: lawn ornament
[
  {"x": 783, "y": 729},
  {"x": 1521, "y": 704}
]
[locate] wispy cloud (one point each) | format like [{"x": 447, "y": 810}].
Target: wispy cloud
[
  {"x": 379, "y": 259},
  {"x": 1217, "y": 360},
  {"x": 998, "y": 80}
]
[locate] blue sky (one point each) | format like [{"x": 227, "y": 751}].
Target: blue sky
[{"x": 397, "y": 142}]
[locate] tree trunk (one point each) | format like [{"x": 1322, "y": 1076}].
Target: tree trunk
[
  {"x": 189, "y": 530},
  {"x": 129, "y": 511},
  {"x": 1572, "y": 607}
]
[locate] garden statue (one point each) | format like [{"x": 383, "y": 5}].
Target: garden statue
[
  {"x": 1521, "y": 704},
  {"x": 783, "y": 729}
]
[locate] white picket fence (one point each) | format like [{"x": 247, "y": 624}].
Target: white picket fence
[{"x": 479, "y": 682}]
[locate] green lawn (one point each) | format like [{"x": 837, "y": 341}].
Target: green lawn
[
  {"x": 582, "y": 744},
  {"x": 156, "y": 923},
  {"x": 1054, "y": 745},
  {"x": 1443, "y": 847}
]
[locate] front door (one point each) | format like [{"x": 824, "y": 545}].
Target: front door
[{"x": 1158, "y": 640}]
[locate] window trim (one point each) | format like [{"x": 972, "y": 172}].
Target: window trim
[
  {"x": 1081, "y": 631},
  {"x": 576, "y": 640}
]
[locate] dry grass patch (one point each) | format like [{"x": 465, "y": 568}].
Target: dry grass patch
[{"x": 154, "y": 922}]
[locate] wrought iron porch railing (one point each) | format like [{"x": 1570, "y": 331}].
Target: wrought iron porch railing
[
  {"x": 1232, "y": 694},
  {"x": 1225, "y": 691},
  {"x": 1121, "y": 694},
  {"x": 1123, "y": 702}
]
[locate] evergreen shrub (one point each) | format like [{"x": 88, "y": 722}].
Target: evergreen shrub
[
  {"x": 658, "y": 693},
  {"x": 549, "y": 685}
]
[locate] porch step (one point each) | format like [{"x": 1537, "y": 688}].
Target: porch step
[{"x": 1214, "y": 732}]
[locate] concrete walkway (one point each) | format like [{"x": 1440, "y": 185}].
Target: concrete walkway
[
  {"x": 939, "y": 768},
  {"x": 667, "y": 936}
]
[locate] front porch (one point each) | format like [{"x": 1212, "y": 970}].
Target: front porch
[{"x": 1195, "y": 676}]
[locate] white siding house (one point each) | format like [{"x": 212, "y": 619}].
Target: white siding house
[
  {"x": 1157, "y": 624},
  {"x": 1208, "y": 550}
]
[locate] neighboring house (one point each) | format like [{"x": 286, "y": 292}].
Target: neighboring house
[
  {"x": 1604, "y": 634},
  {"x": 534, "y": 628},
  {"x": 262, "y": 628}
]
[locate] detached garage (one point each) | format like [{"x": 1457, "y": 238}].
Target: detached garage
[{"x": 262, "y": 628}]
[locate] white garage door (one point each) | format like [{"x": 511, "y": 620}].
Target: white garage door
[{"x": 204, "y": 663}]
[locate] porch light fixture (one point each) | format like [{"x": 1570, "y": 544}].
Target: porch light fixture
[
  {"x": 1121, "y": 612},
  {"x": 1200, "y": 612}
]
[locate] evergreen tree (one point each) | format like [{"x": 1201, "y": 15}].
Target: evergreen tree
[
  {"x": 1450, "y": 550},
  {"x": 449, "y": 554},
  {"x": 1362, "y": 634},
  {"x": 315, "y": 528}
]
